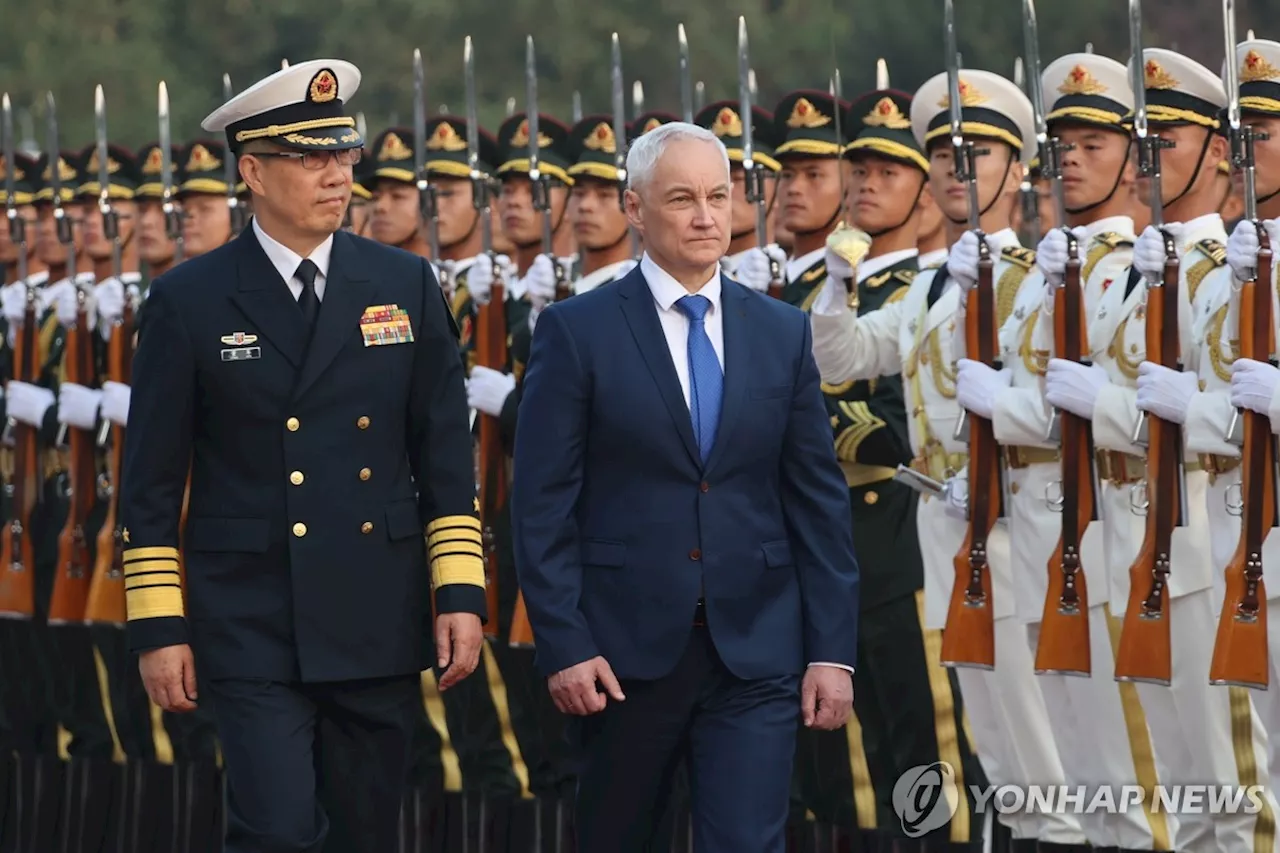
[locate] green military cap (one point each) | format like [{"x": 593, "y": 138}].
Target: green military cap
[
  {"x": 68, "y": 177},
  {"x": 555, "y": 152},
  {"x": 805, "y": 123},
  {"x": 150, "y": 161},
  {"x": 646, "y": 122},
  {"x": 299, "y": 107},
  {"x": 724, "y": 119},
  {"x": 392, "y": 156},
  {"x": 879, "y": 123},
  {"x": 1180, "y": 91},
  {"x": 447, "y": 148},
  {"x": 26, "y": 179},
  {"x": 361, "y": 180},
  {"x": 123, "y": 178},
  {"x": 597, "y": 147},
  {"x": 1259, "y": 64},
  {"x": 203, "y": 169},
  {"x": 991, "y": 107},
  {"x": 1089, "y": 89}
]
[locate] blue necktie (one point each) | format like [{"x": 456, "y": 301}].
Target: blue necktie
[{"x": 706, "y": 378}]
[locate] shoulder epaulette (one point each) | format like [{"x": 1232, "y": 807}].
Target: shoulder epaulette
[
  {"x": 878, "y": 280},
  {"x": 1025, "y": 258},
  {"x": 814, "y": 273},
  {"x": 1214, "y": 251},
  {"x": 906, "y": 276},
  {"x": 1114, "y": 239}
]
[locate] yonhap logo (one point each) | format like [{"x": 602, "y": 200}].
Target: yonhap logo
[{"x": 925, "y": 798}]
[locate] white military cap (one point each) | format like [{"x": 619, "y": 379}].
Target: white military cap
[
  {"x": 300, "y": 106},
  {"x": 1085, "y": 88},
  {"x": 991, "y": 108},
  {"x": 1259, "y": 64},
  {"x": 1181, "y": 91}
]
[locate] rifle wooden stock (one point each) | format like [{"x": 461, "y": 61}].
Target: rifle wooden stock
[
  {"x": 1064, "y": 627},
  {"x": 1145, "y": 652},
  {"x": 969, "y": 637},
  {"x": 491, "y": 349},
  {"x": 775, "y": 291},
  {"x": 17, "y": 555},
  {"x": 521, "y": 628},
  {"x": 75, "y": 566},
  {"x": 106, "y": 604},
  {"x": 1240, "y": 651}
]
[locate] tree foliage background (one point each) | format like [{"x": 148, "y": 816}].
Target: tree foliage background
[{"x": 67, "y": 46}]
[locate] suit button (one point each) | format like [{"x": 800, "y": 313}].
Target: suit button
[
  {"x": 292, "y": 424},
  {"x": 365, "y": 473},
  {"x": 704, "y": 487},
  {"x": 299, "y": 530},
  {"x": 695, "y": 554},
  {"x": 363, "y": 422},
  {"x": 296, "y": 478},
  {"x": 367, "y": 527}
]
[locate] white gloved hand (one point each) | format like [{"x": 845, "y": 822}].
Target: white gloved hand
[
  {"x": 487, "y": 390},
  {"x": 955, "y": 496},
  {"x": 78, "y": 405},
  {"x": 13, "y": 304},
  {"x": 28, "y": 403},
  {"x": 115, "y": 402},
  {"x": 962, "y": 262},
  {"x": 977, "y": 385},
  {"x": 1051, "y": 254},
  {"x": 1166, "y": 393},
  {"x": 1243, "y": 245},
  {"x": 540, "y": 280},
  {"x": 480, "y": 276},
  {"x": 1253, "y": 383},
  {"x": 753, "y": 270},
  {"x": 63, "y": 296},
  {"x": 109, "y": 297},
  {"x": 446, "y": 276},
  {"x": 1074, "y": 387},
  {"x": 1148, "y": 251}
]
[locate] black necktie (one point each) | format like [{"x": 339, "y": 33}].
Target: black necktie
[{"x": 307, "y": 300}]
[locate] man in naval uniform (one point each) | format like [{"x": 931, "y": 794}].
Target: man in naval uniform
[{"x": 306, "y": 615}]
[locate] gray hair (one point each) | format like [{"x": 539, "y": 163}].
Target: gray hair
[{"x": 645, "y": 152}]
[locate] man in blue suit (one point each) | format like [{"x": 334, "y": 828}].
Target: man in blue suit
[{"x": 681, "y": 525}]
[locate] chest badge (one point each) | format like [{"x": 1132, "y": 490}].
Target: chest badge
[{"x": 239, "y": 339}]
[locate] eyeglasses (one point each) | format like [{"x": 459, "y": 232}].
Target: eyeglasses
[{"x": 316, "y": 160}]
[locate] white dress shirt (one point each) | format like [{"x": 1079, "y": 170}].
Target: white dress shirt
[
  {"x": 286, "y": 260},
  {"x": 675, "y": 326}
]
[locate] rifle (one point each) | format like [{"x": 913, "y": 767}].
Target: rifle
[
  {"x": 969, "y": 637},
  {"x": 1240, "y": 654},
  {"x": 540, "y": 184},
  {"x": 619, "y": 104},
  {"x": 752, "y": 172},
  {"x": 172, "y": 216},
  {"x": 427, "y": 199},
  {"x": 1145, "y": 650}
]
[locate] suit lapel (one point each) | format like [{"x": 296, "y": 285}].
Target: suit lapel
[
  {"x": 733, "y": 302},
  {"x": 642, "y": 317},
  {"x": 265, "y": 300},
  {"x": 347, "y": 293}
]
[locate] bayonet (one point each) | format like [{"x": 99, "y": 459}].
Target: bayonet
[
  {"x": 618, "y": 102},
  {"x": 17, "y": 225},
  {"x": 540, "y": 184},
  {"x": 637, "y": 98},
  {"x": 362, "y": 126},
  {"x": 479, "y": 181},
  {"x": 752, "y": 173},
  {"x": 110, "y": 222},
  {"x": 837, "y": 96},
  {"x": 511, "y": 107},
  {"x": 426, "y": 191},
  {"x": 699, "y": 96},
  {"x": 66, "y": 236},
  {"x": 577, "y": 106},
  {"x": 882, "y": 74},
  {"x": 172, "y": 218},
  {"x": 686, "y": 88},
  {"x": 1050, "y": 148},
  {"x": 231, "y": 171},
  {"x": 964, "y": 153}
]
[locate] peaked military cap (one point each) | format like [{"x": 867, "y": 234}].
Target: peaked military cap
[
  {"x": 123, "y": 177},
  {"x": 991, "y": 107},
  {"x": 1088, "y": 89},
  {"x": 150, "y": 161},
  {"x": 298, "y": 107},
  {"x": 1259, "y": 64},
  {"x": 392, "y": 152},
  {"x": 68, "y": 177},
  {"x": 647, "y": 121},
  {"x": 1181, "y": 91},
  {"x": 597, "y": 147},
  {"x": 724, "y": 119},
  {"x": 805, "y": 122},
  {"x": 203, "y": 169},
  {"x": 26, "y": 179},
  {"x": 555, "y": 151},
  {"x": 447, "y": 148},
  {"x": 361, "y": 180},
  {"x": 880, "y": 125}
]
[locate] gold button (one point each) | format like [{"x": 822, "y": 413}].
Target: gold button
[
  {"x": 299, "y": 530},
  {"x": 870, "y": 498},
  {"x": 365, "y": 473},
  {"x": 296, "y": 478},
  {"x": 292, "y": 424},
  {"x": 367, "y": 527},
  {"x": 363, "y": 423}
]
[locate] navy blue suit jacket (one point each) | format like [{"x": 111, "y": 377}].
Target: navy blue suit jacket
[{"x": 618, "y": 525}]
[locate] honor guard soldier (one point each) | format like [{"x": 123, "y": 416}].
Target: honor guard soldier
[
  {"x": 361, "y": 196},
  {"x": 155, "y": 249},
  {"x": 206, "y": 218},
  {"x": 302, "y": 618},
  {"x": 599, "y": 224}
]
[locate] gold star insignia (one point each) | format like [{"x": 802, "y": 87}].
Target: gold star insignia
[
  {"x": 125, "y": 535},
  {"x": 476, "y": 504}
]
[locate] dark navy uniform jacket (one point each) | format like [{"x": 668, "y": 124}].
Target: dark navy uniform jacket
[{"x": 315, "y": 472}]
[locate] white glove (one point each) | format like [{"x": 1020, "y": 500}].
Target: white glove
[
  {"x": 540, "y": 280},
  {"x": 1253, "y": 383},
  {"x": 109, "y": 297},
  {"x": 1074, "y": 387},
  {"x": 63, "y": 297},
  {"x": 78, "y": 405},
  {"x": 955, "y": 496},
  {"x": 1243, "y": 245},
  {"x": 977, "y": 385},
  {"x": 480, "y": 276},
  {"x": 115, "y": 402},
  {"x": 962, "y": 262},
  {"x": 445, "y": 273},
  {"x": 1051, "y": 254},
  {"x": 1148, "y": 251},
  {"x": 28, "y": 403},
  {"x": 753, "y": 270},
  {"x": 13, "y": 304},
  {"x": 487, "y": 390},
  {"x": 1166, "y": 393}
]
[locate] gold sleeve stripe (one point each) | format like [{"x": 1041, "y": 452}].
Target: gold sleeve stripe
[
  {"x": 447, "y": 522},
  {"x": 142, "y": 567},
  {"x": 450, "y": 537},
  {"x": 156, "y": 553},
  {"x": 457, "y": 568},
  {"x": 155, "y": 600},
  {"x": 443, "y": 549},
  {"x": 145, "y": 579}
]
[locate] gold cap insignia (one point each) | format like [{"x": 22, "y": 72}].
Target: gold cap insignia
[
  {"x": 1157, "y": 78},
  {"x": 602, "y": 139},
  {"x": 1255, "y": 67},
  {"x": 1080, "y": 82},
  {"x": 521, "y": 138},
  {"x": 887, "y": 114},
  {"x": 65, "y": 172},
  {"x": 650, "y": 125},
  {"x": 323, "y": 87},
  {"x": 201, "y": 160},
  {"x": 393, "y": 148},
  {"x": 727, "y": 123},
  {"x": 93, "y": 165},
  {"x": 805, "y": 114},
  {"x": 446, "y": 138},
  {"x": 154, "y": 164},
  {"x": 969, "y": 96}
]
